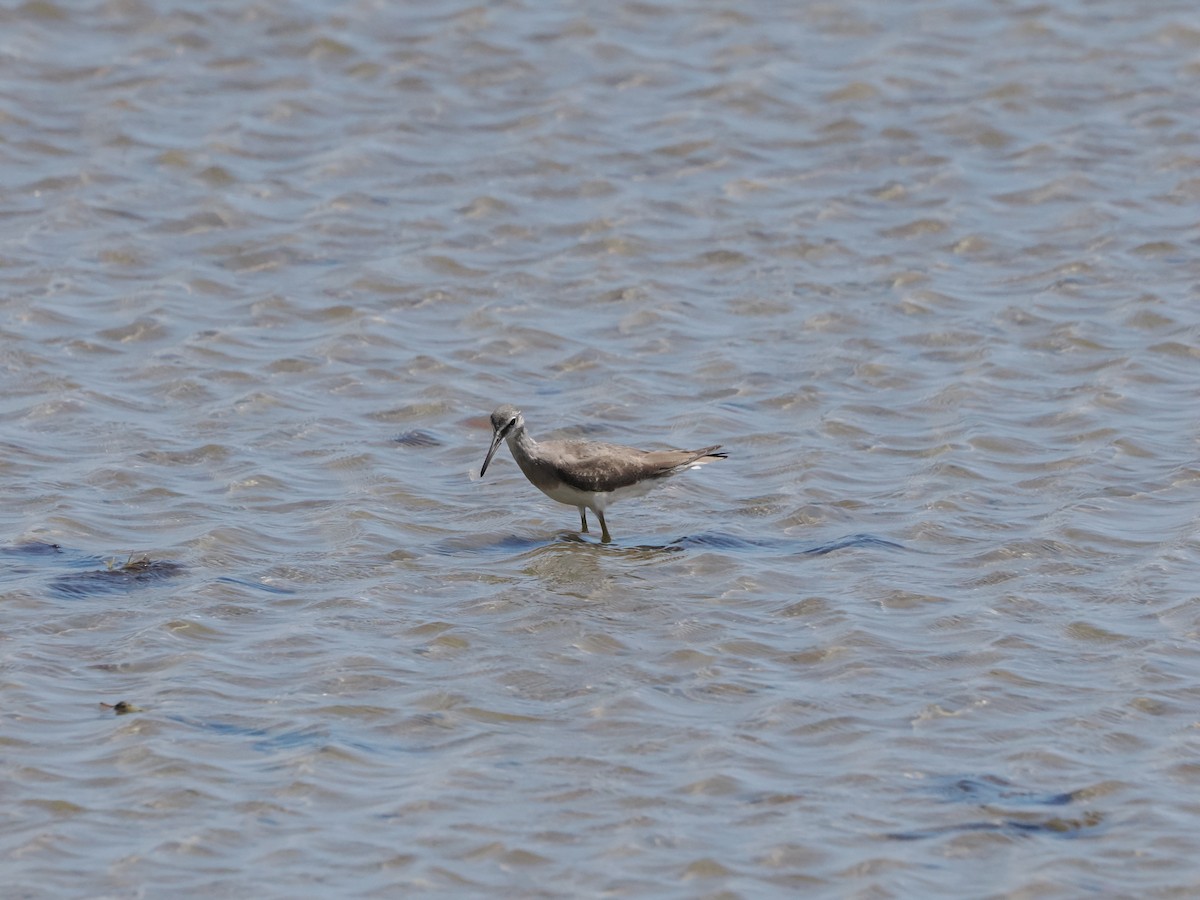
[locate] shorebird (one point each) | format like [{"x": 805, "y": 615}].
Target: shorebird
[{"x": 588, "y": 474}]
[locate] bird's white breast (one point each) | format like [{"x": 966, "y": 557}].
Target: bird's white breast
[{"x": 600, "y": 500}]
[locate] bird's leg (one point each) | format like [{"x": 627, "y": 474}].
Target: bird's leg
[
  {"x": 605, "y": 537},
  {"x": 583, "y": 518}
]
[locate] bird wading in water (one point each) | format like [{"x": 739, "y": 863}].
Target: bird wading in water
[{"x": 588, "y": 474}]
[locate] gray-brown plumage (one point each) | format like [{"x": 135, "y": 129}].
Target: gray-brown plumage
[{"x": 588, "y": 474}]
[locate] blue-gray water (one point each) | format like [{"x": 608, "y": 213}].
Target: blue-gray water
[{"x": 927, "y": 270}]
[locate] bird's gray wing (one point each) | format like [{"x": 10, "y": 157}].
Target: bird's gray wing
[{"x": 596, "y": 466}]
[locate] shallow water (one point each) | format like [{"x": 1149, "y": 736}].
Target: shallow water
[{"x": 926, "y": 271}]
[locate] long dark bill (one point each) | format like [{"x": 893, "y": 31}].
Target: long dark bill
[{"x": 497, "y": 437}]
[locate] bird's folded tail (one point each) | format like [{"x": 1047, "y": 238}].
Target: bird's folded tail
[{"x": 707, "y": 455}]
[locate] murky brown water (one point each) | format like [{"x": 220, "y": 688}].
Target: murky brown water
[{"x": 928, "y": 271}]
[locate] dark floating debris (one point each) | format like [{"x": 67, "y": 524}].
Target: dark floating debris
[
  {"x": 158, "y": 568},
  {"x": 992, "y": 789},
  {"x": 992, "y": 794},
  {"x": 116, "y": 577},
  {"x": 122, "y": 707},
  {"x": 31, "y": 548},
  {"x": 27, "y": 558},
  {"x": 417, "y": 439},
  {"x": 70, "y": 574}
]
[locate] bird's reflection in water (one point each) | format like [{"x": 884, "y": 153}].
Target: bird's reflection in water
[
  {"x": 721, "y": 541},
  {"x": 517, "y": 544}
]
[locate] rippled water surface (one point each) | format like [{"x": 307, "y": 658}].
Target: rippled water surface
[{"x": 928, "y": 271}]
